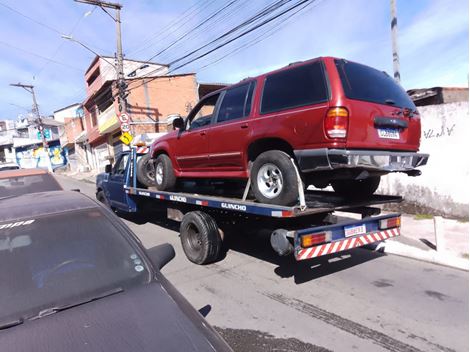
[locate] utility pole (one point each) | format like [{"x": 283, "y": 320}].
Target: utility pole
[
  {"x": 120, "y": 81},
  {"x": 396, "y": 59},
  {"x": 37, "y": 120}
]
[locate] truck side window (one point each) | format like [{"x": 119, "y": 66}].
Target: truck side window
[
  {"x": 202, "y": 115},
  {"x": 233, "y": 103},
  {"x": 120, "y": 167}
]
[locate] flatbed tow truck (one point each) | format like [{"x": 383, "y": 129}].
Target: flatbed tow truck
[{"x": 307, "y": 230}]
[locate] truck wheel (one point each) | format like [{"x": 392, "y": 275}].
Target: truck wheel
[
  {"x": 146, "y": 171},
  {"x": 165, "y": 179},
  {"x": 100, "y": 197},
  {"x": 356, "y": 188},
  {"x": 274, "y": 179},
  {"x": 200, "y": 237}
]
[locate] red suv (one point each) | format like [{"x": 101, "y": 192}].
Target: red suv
[{"x": 331, "y": 120}]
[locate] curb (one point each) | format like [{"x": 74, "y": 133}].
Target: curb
[{"x": 440, "y": 258}]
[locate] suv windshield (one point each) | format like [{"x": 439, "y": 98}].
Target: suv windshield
[
  {"x": 362, "y": 82},
  {"x": 55, "y": 260}
]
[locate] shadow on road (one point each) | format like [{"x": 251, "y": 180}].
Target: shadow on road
[{"x": 256, "y": 244}]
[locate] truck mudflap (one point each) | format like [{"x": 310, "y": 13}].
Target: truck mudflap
[{"x": 316, "y": 242}]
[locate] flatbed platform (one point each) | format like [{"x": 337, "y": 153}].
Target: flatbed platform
[{"x": 316, "y": 202}]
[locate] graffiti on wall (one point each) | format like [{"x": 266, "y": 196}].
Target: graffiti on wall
[
  {"x": 436, "y": 133},
  {"x": 36, "y": 157}
]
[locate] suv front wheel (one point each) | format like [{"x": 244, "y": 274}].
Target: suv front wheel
[
  {"x": 274, "y": 178},
  {"x": 165, "y": 179}
]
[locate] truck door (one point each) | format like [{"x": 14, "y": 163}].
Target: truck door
[{"x": 117, "y": 197}]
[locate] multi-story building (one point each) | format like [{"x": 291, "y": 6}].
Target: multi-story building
[
  {"x": 7, "y": 132},
  {"x": 153, "y": 95}
]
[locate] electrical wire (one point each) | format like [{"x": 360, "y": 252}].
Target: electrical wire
[{"x": 264, "y": 13}]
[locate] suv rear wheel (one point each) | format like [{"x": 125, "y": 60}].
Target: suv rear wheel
[
  {"x": 274, "y": 179},
  {"x": 356, "y": 188},
  {"x": 165, "y": 179}
]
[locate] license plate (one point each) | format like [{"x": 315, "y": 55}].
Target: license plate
[
  {"x": 389, "y": 133},
  {"x": 354, "y": 230}
]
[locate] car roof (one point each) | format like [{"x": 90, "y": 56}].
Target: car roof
[
  {"x": 22, "y": 172},
  {"x": 33, "y": 205}
]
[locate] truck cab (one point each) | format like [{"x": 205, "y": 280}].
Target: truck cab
[{"x": 110, "y": 184}]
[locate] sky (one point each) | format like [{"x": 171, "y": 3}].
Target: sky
[{"x": 432, "y": 39}]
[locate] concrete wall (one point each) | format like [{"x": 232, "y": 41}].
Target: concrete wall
[{"x": 444, "y": 184}]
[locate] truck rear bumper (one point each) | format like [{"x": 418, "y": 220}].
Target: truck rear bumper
[
  {"x": 345, "y": 244},
  {"x": 329, "y": 159}
]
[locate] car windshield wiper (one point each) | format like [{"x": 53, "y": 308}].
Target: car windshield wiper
[
  {"x": 390, "y": 102},
  {"x": 10, "y": 323},
  {"x": 48, "y": 311}
]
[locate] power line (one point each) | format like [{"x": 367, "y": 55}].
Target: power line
[
  {"x": 166, "y": 30},
  {"x": 31, "y": 19},
  {"x": 266, "y": 34},
  {"x": 74, "y": 28},
  {"x": 213, "y": 15},
  {"x": 40, "y": 56},
  {"x": 259, "y": 15}
]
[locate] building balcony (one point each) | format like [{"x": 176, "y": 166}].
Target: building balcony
[{"x": 108, "y": 120}]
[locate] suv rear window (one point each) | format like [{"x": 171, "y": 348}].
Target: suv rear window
[
  {"x": 362, "y": 82},
  {"x": 294, "y": 87}
]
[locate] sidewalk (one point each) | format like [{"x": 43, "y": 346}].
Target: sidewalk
[
  {"x": 89, "y": 177},
  {"x": 418, "y": 241}
]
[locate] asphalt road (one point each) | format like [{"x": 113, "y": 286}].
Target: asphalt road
[{"x": 361, "y": 300}]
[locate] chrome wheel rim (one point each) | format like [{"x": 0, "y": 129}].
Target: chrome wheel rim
[
  {"x": 159, "y": 173},
  {"x": 270, "y": 181}
]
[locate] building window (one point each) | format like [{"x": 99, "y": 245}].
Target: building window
[
  {"x": 93, "y": 77},
  {"x": 94, "y": 120}
]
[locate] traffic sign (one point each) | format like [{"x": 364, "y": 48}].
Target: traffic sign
[
  {"x": 124, "y": 118},
  {"x": 126, "y": 138},
  {"x": 125, "y": 127}
]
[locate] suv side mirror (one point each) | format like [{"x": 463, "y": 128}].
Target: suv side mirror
[
  {"x": 108, "y": 168},
  {"x": 178, "y": 123},
  {"x": 161, "y": 255}
]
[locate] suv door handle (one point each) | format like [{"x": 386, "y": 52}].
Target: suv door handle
[
  {"x": 202, "y": 133},
  {"x": 244, "y": 126}
]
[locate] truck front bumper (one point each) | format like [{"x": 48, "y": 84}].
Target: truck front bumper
[{"x": 310, "y": 160}]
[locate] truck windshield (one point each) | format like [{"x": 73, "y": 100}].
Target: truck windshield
[
  {"x": 365, "y": 83},
  {"x": 55, "y": 260}
]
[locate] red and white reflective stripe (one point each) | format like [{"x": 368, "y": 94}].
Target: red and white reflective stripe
[
  {"x": 204, "y": 203},
  {"x": 348, "y": 243},
  {"x": 281, "y": 213},
  {"x": 142, "y": 150}
]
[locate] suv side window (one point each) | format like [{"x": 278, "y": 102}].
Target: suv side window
[
  {"x": 236, "y": 103},
  {"x": 294, "y": 87},
  {"x": 202, "y": 115},
  {"x": 120, "y": 167}
]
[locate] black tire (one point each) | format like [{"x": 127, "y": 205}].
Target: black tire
[
  {"x": 100, "y": 197},
  {"x": 146, "y": 171},
  {"x": 277, "y": 166},
  {"x": 168, "y": 180},
  {"x": 200, "y": 237},
  {"x": 356, "y": 188}
]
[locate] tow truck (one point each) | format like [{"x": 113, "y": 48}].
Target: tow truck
[{"x": 307, "y": 230}]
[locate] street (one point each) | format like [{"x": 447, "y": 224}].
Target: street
[{"x": 361, "y": 300}]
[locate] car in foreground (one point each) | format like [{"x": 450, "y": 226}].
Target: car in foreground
[
  {"x": 24, "y": 181},
  {"x": 74, "y": 278},
  {"x": 9, "y": 166},
  {"x": 332, "y": 121}
]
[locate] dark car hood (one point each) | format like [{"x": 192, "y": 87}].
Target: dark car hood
[{"x": 142, "y": 319}]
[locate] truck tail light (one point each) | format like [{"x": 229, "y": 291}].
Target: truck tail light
[
  {"x": 336, "y": 122},
  {"x": 389, "y": 223},
  {"x": 315, "y": 238}
]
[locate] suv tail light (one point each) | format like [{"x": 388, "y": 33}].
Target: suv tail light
[{"x": 336, "y": 122}]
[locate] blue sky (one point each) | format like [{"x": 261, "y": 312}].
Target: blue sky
[{"x": 432, "y": 38}]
